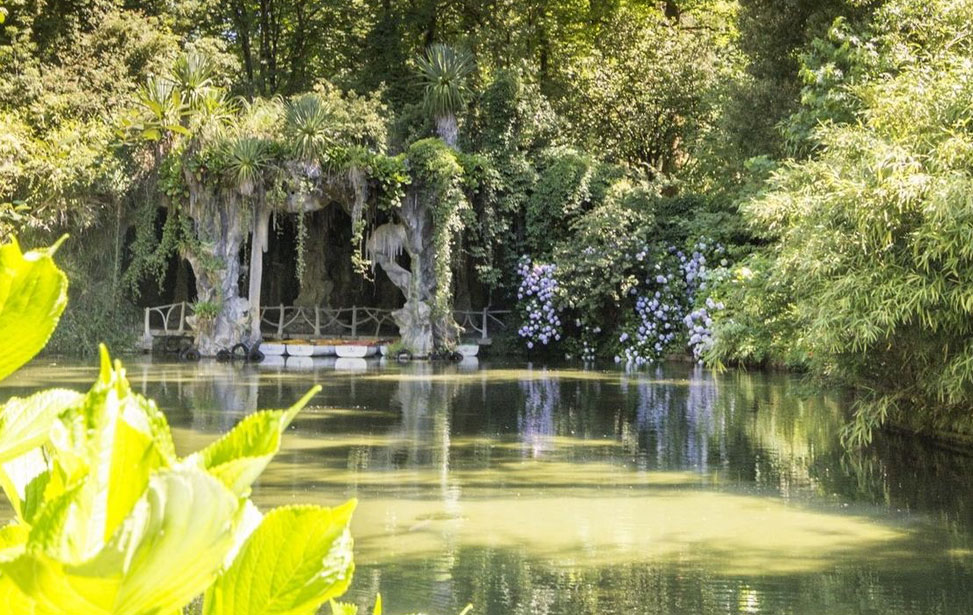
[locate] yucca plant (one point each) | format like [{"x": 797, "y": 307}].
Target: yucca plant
[
  {"x": 308, "y": 123},
  {"x": 160, "y": 109},
  {"x": 193, "y": 74},
  {"x": 443, "y": 71},
  {"x": 245, "y": 161}
]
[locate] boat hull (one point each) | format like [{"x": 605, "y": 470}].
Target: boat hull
[
  {"x": 468, "y": 350},
  {"x": 300, "y": 350},
  {"x": 273, "y": 349},
  {"x": 355, "y": 351}
]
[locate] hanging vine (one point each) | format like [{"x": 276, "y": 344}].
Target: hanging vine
[
  {"x": 437, "y": 170},
  {"x": 300, "y": 264}
]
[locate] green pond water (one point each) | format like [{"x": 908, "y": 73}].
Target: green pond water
[{"x": 525, "y": 489}]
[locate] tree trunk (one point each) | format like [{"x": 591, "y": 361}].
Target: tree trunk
[
  {"x": 258, "y": 245},
  {"x": 448, "y": 129}
]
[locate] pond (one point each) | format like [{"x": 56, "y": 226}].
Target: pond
[{"x": 531, "y": 489}]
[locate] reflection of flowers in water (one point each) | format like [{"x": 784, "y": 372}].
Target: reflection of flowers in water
[
  {"x": 699, "y": 414},
  {"x": 678, "y": 432},
  {"x": 536, "y": 423}
]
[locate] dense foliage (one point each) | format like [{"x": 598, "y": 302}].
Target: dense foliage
[
  {"x": 872, "y": 234},
  {"x": 733, "y": 181}
]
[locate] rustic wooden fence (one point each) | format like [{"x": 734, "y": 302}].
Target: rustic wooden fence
[{"x": 287, "y": 321}]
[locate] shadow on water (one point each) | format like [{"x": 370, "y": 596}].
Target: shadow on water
[{"x": 531, "y": 490}]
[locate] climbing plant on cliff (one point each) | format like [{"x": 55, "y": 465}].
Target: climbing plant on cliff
[{"x": 439, "y": 175}]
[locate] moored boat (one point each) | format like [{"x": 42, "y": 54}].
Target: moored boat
[
  {"x": 468, "y": 350},
  {"x": 273, "y": 349},
  {"x": 299, "y": 349},
  {"x": 322, "y": 350},
  {"x": 355, "y": 351}
]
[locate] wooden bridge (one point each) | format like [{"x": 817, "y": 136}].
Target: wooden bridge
[{"x": 283, "y": 322}]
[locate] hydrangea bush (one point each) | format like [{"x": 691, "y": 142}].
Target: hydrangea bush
[
  {"x": 699, "y": 324},
  {"x": 664, "y": 305},
  {"x": 536, "y": 297}
]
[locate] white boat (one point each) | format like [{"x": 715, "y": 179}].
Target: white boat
[
  {"x": 322, "y": 350},
  {"x": 273, "y": 349},
  {"x": 351, "y": 364},
  {"x": 355, "y": 351},
  {"x": 299, "y": 350},
  {"x": 468, "y": 350}
]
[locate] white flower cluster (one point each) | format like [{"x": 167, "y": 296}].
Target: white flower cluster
[{"x": 695, "y": 266}]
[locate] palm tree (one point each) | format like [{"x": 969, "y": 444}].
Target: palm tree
[{"x": 443, "y": 70}]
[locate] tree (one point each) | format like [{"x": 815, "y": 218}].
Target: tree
[
  {"x": 644, "y": 95},
  {"x": 873, "y": 233},
  {"x": 444, "y": 71}
]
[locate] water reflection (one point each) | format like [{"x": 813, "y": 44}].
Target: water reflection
[{"x": 543, "y": 490}]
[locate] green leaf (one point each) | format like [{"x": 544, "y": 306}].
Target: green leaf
[
  {"x": 24, "y": 480},
  {"x": 296, "y": 560},
  {"x": 13, "y": 539},
  {"x": 167, "y": 551},
  {"x": 240, "y": 456},
  {"x": 179, "y": 129},
  {"x": 103, "y": 451},
  {"x": 343, "y": 608},
  {"x": 25, "y": 423},
  {"x": 33, "y": 294},
  {"x": 14, "y": 600}
]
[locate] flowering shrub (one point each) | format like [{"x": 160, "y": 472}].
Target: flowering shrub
[
  {"x": 656, "y": 291},
  {"x": 542, "y": 323},
  {"x": 695, "y": 267},
  {"x": 656, "y": 323},
  {"x": 699, "y": 323}
]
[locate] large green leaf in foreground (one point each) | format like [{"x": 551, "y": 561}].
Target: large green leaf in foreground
[
  {"x": 33, "y": 294},
  {"x": 168, "y": 550},
  {"x": 299, "y": 557}
]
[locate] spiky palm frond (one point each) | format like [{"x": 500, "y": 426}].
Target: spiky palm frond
[
  {"x": 213, "y": 112},
  {"x": 161, "y": 108},
  {"x": 443, "y": 71},
  {"x": 193, "y": 73},
  {"x": 245, "y": 161},
  {"x": 309, "y": 121}
]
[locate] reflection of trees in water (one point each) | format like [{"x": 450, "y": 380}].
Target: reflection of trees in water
[
  {"x": 504, "y": 581},
  {"x": 905, "y": 473},
  {"x": 678, "y": 420},
  {"x": 424, "y": 435},
  {"x": 206, "y": 396},
  {"x": 535, "y": 421}
]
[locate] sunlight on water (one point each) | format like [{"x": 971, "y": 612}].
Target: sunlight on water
[{"x": 534, "y": 490}]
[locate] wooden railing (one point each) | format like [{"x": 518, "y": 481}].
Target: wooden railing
[
  {"x": 291, "y": 321},
  {"x": 168, "y": 320},
  {"x": 479, "y": 322},
  {"x": 282, "y": 321}
]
